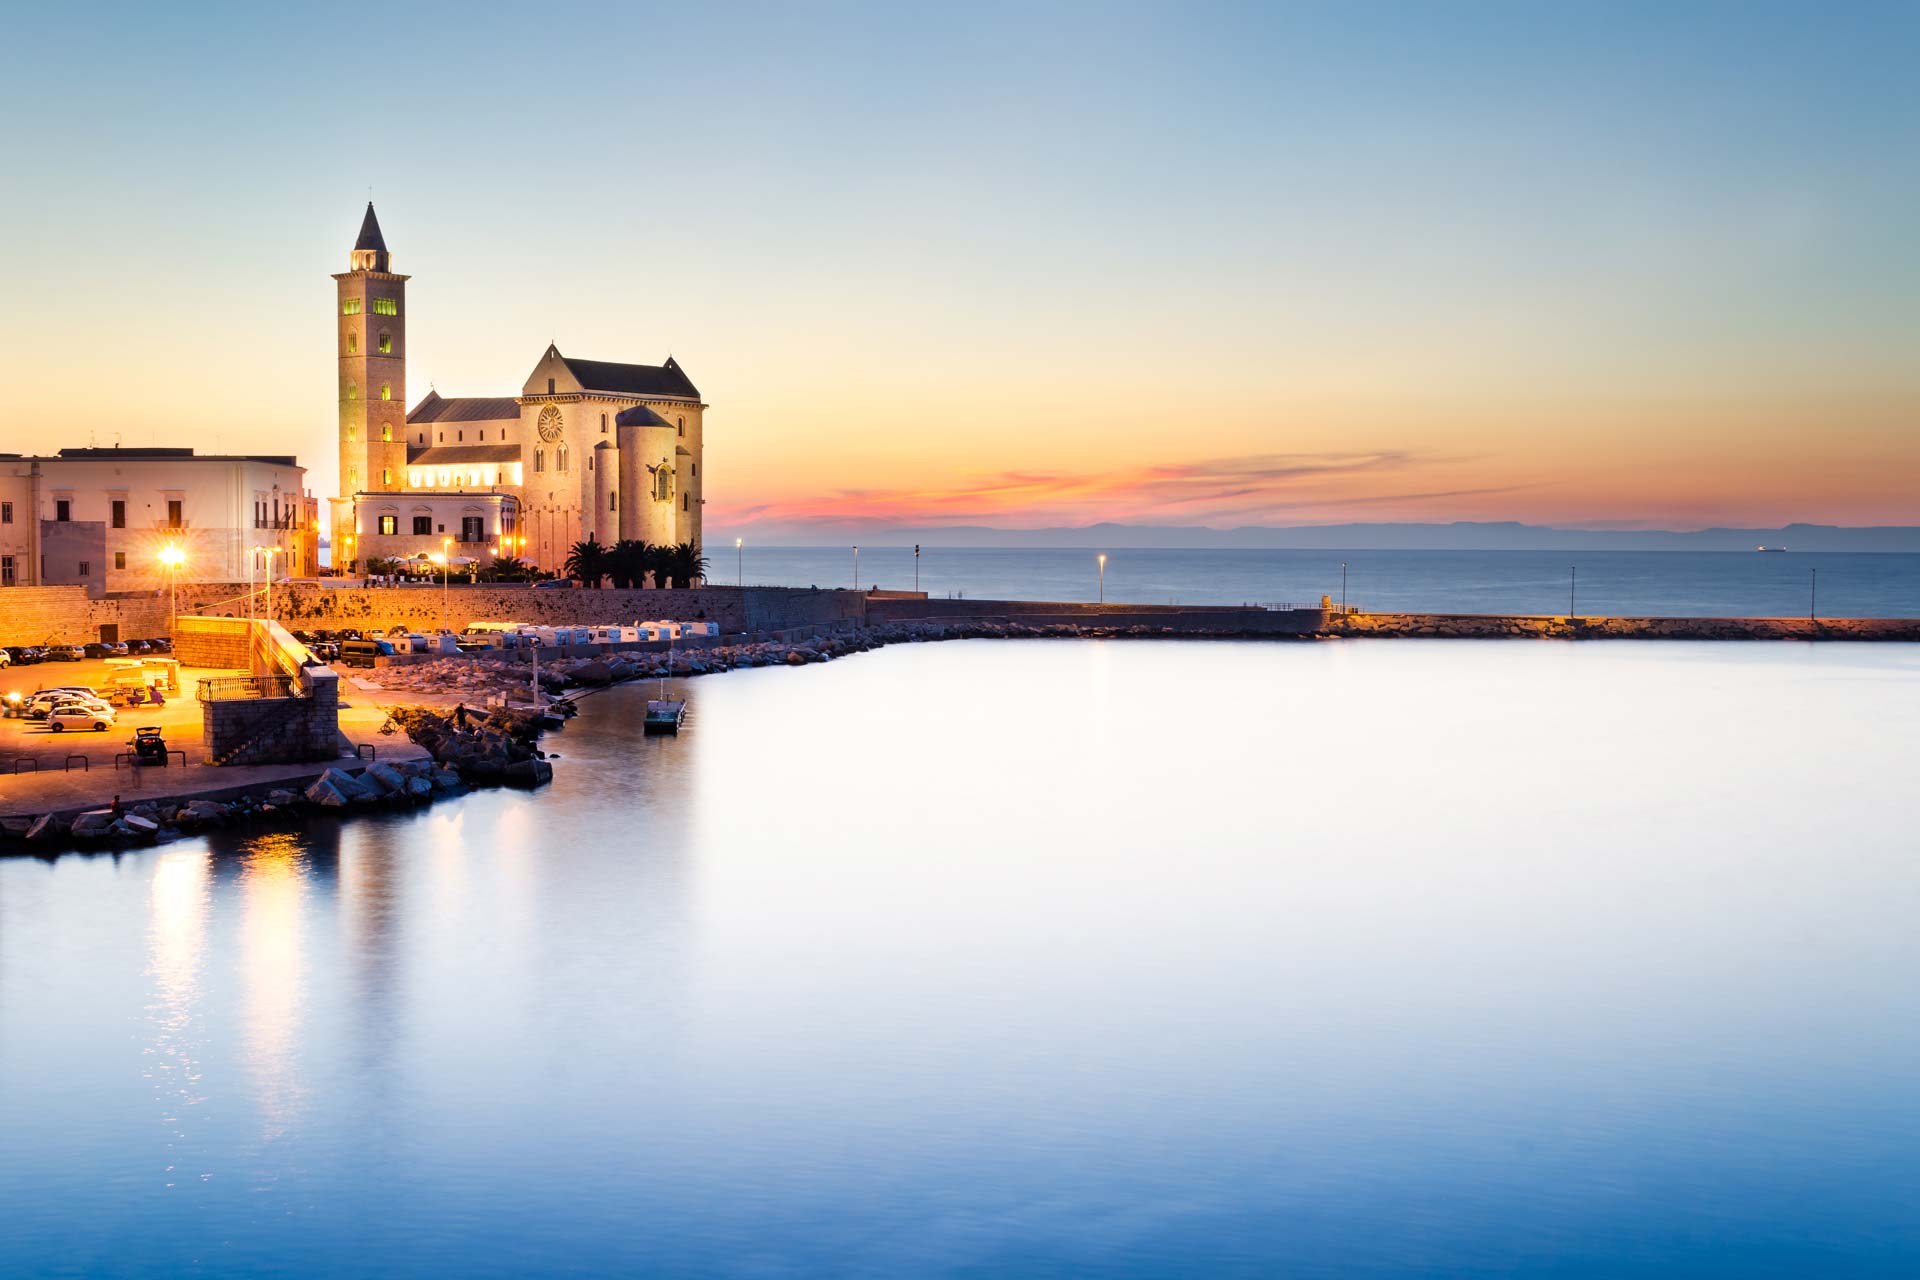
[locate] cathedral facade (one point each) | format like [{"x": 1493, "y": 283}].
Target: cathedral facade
[{"x": 588, "y": 449}]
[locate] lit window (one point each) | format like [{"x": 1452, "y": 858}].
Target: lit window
[
  {"x": 386, "y": 432},
  {"x": 386, "y": 343},
  {"x": 353, "y": 435},
  {"x": 413, "y": 479},
  {"x": 389, "y": 524},
  {"x": 385, "y": 307},
  {"x": 350, "y": 306},
  {"x": 353, "y": 391},
  {"x": 386, "y": 391},
  {"x": 386, "y": 475},
  {"x": 353, "y": 342}
]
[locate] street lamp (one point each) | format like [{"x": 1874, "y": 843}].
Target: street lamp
[
  {"x": 268, "y": 553},
  {"x": 446, "y": 575},
  {"x": 739, "y": 562},
  {"x": 1103, "y": 577},
  {"x": 172, "y": 557}
]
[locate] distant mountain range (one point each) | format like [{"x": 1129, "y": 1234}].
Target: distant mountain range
[{"x": 1459, "y": 536}]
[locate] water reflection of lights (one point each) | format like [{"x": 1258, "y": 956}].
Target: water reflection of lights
[
  {"x": 272, "y": 888},
  {"x": 176, "y": 940}
]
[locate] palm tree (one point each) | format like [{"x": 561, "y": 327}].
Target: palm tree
[
  {"x": 683, "y": 565},
  {"x": 627, "y": 563},
  {"x": 587, "y": 561},
  {"x": 508, "y": 569}
]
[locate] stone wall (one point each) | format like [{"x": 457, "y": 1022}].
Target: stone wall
[
  {"x": 1474, "y": 626},
  {"x": 274, "y": 730},
  {"x": 69, "y": 615},
  {"x": 1185, "y": 619},
  {"x": 221, "y": 643}
]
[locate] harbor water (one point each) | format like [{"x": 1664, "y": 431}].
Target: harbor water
[{"x": 1042, "y": 958}]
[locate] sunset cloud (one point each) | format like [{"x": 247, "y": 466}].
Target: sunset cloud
[{"x": 1251, "y": 489}]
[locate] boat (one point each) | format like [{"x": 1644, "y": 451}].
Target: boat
[
  {"x": 664, "y": 715},
  {"x": 1775, "y": 550}
]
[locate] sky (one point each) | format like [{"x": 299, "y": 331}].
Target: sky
[{"x": 1606, "y": 265}]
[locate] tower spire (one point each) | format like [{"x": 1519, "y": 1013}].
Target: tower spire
[{"x": 370, "y": 250}]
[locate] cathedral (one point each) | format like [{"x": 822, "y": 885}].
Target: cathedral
[{"x": 588, "y": 449}]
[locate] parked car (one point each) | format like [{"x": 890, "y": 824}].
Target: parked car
[
  {"x": 66, "y": 653},
  {"x": 47, "y": 701},
  {"x": 361, "y": 653},
  {"x": 80, "y": 718},
  {"x": 161, "y": 644},
  {"x": 118, "y": 648},
  {"x": 97, "y": 650},
  {"x": 34, "y": 653},
  {"x": 6, "y": 659},
  {"x": 138, "y": 648},
  {"x": 47, "y": 710}
]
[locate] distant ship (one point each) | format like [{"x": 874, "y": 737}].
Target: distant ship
[{"x": 1770, "y": 549}]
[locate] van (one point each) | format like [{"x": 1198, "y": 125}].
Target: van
[{"x": 361, "y": 653}]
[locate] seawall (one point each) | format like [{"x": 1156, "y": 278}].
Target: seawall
[{"x": 1479, "y": 626}]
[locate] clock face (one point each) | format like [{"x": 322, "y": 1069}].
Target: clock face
[{"x": 550, "y": 424}]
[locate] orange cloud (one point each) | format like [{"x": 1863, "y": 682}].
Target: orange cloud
[{"x": 1216, "y": 491}]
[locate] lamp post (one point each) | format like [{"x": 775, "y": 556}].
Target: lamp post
[
  {"x": 252, "y": 608},
  {"x": 446, "y": 575},
  {"x": 1103, "y": 577},
  {"x": 171, "y": 557},
  {"x": 350, "y": 553},
  {"x": 739, "y": 562},
  {"x": 267, "y": 554},
  {"x": 856, "y": 568}
]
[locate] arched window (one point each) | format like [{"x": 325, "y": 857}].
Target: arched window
[
  {"x": 560, "y": 458},
  {"x": 539, "y": 460},
  {"x": 603, "y": 424},
  {"x": 386, "y": 433},
  {"x": 589, "y": 462},
  {"x": 683, "y": 502},
  {"x": 613, "y": 500},
  {"x": 353, "y": 342},
  {"x": 683, "y": 425},
  {"x": 353, "y": 391},
  {"x": 662, "y": 484},
  {"x": 386, "y": 343},
  {"x": 386, "y": 475},
  {"x": 386, "y": 391}
]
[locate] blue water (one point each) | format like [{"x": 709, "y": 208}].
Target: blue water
[
  {"x": 1669, "y": 583},
  {"x": 1028, "y": 959}
]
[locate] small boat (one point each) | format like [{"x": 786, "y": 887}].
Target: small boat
[
  {"x": 1772, "y": 550},
  {"x": 664, "y": 715}
]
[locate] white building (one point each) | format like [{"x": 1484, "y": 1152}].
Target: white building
[{"x": 103, "y": 518}]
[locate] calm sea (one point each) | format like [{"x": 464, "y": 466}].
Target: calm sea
[
  {"x": 1028, "y": 959},
  {"x": 1683, "y": 583}
]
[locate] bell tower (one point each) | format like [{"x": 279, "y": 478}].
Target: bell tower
[{"x": 371, "y": 338}]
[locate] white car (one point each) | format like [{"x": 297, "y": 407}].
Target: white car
[
  {"x": 99, "y": 719},
  {"x": 46, "y": 703}
]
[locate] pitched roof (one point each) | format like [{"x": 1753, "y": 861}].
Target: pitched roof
[
  {"x": 638, "y": 416},
  {"x": 462, "y": 455},
  {"x": 439, "y": 408},
  {"x": 632, "y": 379},
  {"x": 370, "y": 237}
]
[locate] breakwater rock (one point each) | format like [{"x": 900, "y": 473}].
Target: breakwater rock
[
  {"x": 495, "y": 748},
  {"x": 403, "y": 785}
]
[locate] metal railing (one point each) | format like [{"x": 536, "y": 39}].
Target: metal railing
[{"x": 230, "y": 688}]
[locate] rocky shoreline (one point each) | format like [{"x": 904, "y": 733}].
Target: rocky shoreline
[{"x": 492, "y": 750}]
